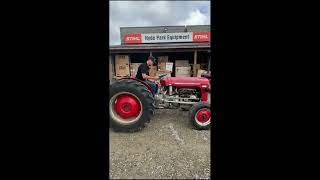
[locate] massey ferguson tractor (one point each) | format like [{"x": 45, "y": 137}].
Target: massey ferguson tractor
[{"x": 132, "y": 104}]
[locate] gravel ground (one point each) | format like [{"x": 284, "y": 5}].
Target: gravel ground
[{"x": 168, "y": 148}]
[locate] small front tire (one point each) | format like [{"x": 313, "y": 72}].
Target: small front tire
[{"x": 200, "y": 115}]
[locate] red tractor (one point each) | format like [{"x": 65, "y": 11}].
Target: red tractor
[{"x": 132, "y": 104}]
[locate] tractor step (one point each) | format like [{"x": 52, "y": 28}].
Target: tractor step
[{"x": 120, "y": 77}]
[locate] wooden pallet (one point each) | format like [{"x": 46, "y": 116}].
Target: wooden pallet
[{"x": 120, "y": 77}]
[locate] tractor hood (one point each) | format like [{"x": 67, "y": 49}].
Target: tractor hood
[{"x": 185, "y": 82}]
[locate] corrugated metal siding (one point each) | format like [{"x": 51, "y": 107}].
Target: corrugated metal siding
[{"x": 203, "y": 28}]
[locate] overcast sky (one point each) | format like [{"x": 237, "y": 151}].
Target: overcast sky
[{"x": 156, "y": 13}]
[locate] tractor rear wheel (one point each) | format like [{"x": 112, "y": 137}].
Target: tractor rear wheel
[
  {"x": 200, "y": 115},
  {"x": 130, "y": 105}
]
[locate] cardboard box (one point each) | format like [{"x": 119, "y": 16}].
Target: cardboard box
[
  {"x": 163, "y": 59},
  {"x": 162, "y": 66},
  {"x": 169, "y": 66},
  {"x": 167, "y": 73},
  {"x": 183, "y": 75},
  {"x": 195, "y": 68},
  {"x": 153, "y": 71},
  {"x": 122, "y": 59},
  {"x": 162, "y": 62},
  {"x": 134, "y": 69},
  {"x": 183, "y": 71},
  {"x": 111, "y": 74},
  {"x": 122, "y": 65},
  {"x": 182, "y": 63},
  {"x": 200, "y": 71},
  {"x": 122, "y": 70}
]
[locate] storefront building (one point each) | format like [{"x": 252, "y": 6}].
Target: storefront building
[{"x": 180, "y": 50}]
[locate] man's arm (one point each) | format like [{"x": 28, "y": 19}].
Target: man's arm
[
  {"x": 144, "y": 71},
  {"x": 146, "y": 77}
]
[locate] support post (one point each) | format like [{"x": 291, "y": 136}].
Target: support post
[
  {"x": 209, "y": 63},
  {"x": 210, "y": 59},
  {"x": 195, "y": 57}
]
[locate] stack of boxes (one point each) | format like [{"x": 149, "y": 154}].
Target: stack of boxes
[
  {"x": 183, "y": 68},
  {"x": 153, "y": 71},
  {"x": 162, "y": 60},
  {"x": 111, "y": 69},
  {"x": 164, "y": 66},
  {"x": 122, "y": 66},
  {"x": 134, "y": 69},
  {"x": 200, "y": 71},
  {"x": 195, "y": 69}
]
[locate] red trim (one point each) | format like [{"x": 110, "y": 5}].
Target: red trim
[
  {"x": 204, "y": 94},
  {"x": 127, "y": 106},
  {"x": 203, "y": 115},
  {"x": 196, "y": 82},
  {"x": 133, "y": 38},
  {"x": 201, "y": 36}
]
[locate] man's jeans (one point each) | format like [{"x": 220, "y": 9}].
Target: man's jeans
[{"x": 154, "y": 86}]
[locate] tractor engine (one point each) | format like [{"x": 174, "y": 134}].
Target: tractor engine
[{"x": 175, "y": 92}]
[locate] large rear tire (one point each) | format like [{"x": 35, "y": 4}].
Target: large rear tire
[
  {"x": 130, "y": 105},
  {"x": 200, "y": 115}
]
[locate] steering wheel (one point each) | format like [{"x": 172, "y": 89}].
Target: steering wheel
[{"x": 161, "y": 76}]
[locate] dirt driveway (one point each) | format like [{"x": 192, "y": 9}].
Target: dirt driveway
[{"x": 168, "y": 147}]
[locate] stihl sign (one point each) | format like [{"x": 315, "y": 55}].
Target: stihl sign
[
  {"x": 167, "y": 37},
  {"x": 201, "y": 36},
  {"x": 133, "y": 38}
]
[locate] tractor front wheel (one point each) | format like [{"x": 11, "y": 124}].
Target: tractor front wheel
[
  {"x": 130, "y": 105},
  {"x": 200, "y": 115}
]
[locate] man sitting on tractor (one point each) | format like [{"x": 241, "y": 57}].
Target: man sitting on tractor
[{"x": 143, "y": 74}]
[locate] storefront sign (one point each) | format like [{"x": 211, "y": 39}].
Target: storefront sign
[{"x": 167, "y": 37}]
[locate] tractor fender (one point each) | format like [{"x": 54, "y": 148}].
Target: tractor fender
[{"x": 149, "y": 88}]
